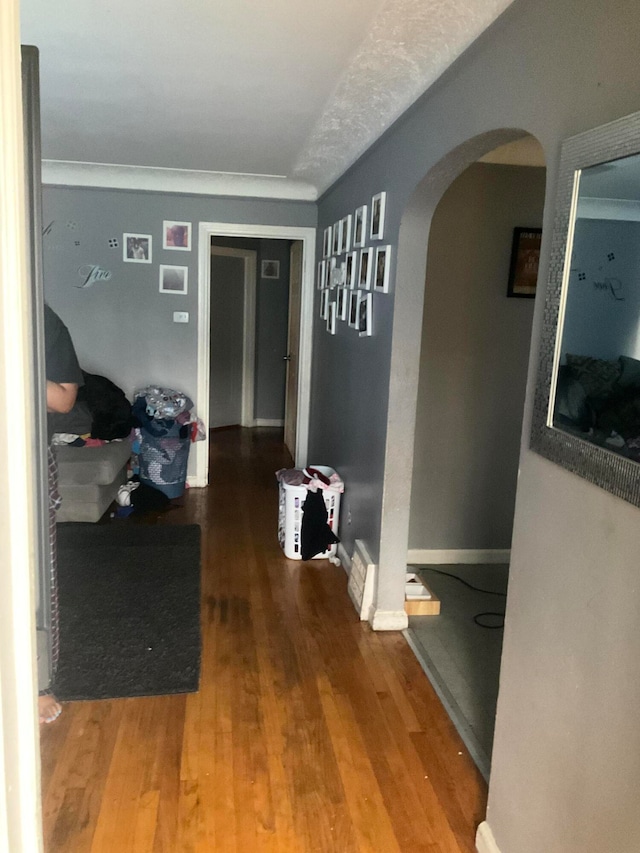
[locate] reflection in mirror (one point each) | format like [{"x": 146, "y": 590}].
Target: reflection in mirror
[
  {"x": 597, "y": 359},
  {"x": 586, "y": 413}
]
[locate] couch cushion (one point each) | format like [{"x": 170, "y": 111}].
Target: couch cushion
[{"x": 84, "y": 465}]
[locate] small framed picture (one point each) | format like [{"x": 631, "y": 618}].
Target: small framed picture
[
  {"x": 173, "y": 279},
  {"x": 331, "y": 278},
  {"x": 321, "y": 274},
  {"x": 378, "y": 204},
  {"x": 176, "y": 236},
  {"x": 330, "y": 264},
  {"x": 331, "y": 318},
  {"x": 346, "y": 232},
  {"x": 270, "y": 269},
  {"x": 353, "y": 308},
  {"x": 381, "y": 267},
  {"x": 365, "y": 311},
  {"x": 336, "y": 238},
  {"x": 360, "y": 227},
  {"x": 326, "y": 242},
  {"x": 351, "y": 270},
  {"x": 525, "y": 259},
  {"x": 364, "y": 270},
  {"x": 324, "y": 304},
  {"x": 136, "y": 248},
  {"x": 342, "y": 305}
]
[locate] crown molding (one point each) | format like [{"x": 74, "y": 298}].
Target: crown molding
[{"x": 183, "y": 181}]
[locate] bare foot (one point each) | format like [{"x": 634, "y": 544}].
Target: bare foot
[{"x": 49, "y": 708}]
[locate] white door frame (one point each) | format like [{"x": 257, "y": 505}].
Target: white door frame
[
  {"x": 207, "y": 230},
  {"x": 249, "y": 257},
  {"x": 20, "y": 808}
]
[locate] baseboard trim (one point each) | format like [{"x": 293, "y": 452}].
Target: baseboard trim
[
  {"x": 468, "y": 556},
  {"x": 485, "y": 842},
  {"x": 268, "y": 422},
  {"x": 388, "y": 620},
  {"x": 344, "y": 558}
]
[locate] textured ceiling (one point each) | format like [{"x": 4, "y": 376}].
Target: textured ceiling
[{"x": 288, "y": 92}]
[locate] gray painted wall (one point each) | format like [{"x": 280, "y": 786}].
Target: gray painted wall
[
  {"x": 565, "y": 773},
  {"x": 226, "y": 348},
  {"x": 123, "y": 328},
  {"x": 473, "y": 366}
]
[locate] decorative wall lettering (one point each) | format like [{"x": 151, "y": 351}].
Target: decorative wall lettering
[
  {"x": 91, "y": 273},
  {"x": 612, "y": 287}
]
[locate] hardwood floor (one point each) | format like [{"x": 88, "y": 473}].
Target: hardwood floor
[{"x": 310, "y": 731}]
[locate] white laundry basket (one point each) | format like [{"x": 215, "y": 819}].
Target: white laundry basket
[{"x": 290, "y": 516}]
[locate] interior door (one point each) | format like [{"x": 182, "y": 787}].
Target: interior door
[{"x": 293, "y": 348}]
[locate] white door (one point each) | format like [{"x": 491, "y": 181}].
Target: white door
[
  {"x": 293, "y": 348},
  {"x": 232, "y": 336}
]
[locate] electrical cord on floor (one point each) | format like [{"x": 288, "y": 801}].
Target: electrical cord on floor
[{"x": 479, "y": 616}]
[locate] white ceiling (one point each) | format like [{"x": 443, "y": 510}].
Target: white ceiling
[{"x": 285, "y": 94}]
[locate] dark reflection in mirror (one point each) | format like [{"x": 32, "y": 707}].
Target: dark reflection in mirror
[{"x": 597, "y": 394}]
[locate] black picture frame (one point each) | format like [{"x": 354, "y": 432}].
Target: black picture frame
[{"x": 525, "y": 263}]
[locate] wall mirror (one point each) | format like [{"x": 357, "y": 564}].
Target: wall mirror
[{"x": 587, "y": 404}]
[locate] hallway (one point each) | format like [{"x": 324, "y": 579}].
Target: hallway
[{"x": 310, "y": 732}]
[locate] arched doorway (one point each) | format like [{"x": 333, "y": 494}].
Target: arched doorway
[{"x": 469, "y": 338}]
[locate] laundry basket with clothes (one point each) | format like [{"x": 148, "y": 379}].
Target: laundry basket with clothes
[{"x": 166, "y": 426}]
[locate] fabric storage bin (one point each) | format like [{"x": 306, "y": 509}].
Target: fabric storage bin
[{"x": 290, "y": 513}]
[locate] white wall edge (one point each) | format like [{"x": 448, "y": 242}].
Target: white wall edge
[
  {"x": 469, "y": 556},
  {"x": 344, "y": 558},
  {"x": 388, "y": 620},
  {"x": 269, "y": 422},
  {"x": 154, "y": 179},
  {"x": 485, "y": 842}
]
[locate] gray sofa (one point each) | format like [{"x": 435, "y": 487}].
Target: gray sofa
[{"x": 89, "y": 478}]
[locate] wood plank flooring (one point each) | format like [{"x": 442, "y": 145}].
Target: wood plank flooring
[{"x": 310, "y": 732}]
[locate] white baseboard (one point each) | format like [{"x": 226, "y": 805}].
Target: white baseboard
[
  {"x": 268, "y": 422},
  {"x": 388, "y": 620},
  {"x": 468, "y": 556},
  {"x": 485, "y": 842},
  {"x": 195, "y": 482},
  {"x": 344, "y": 558}
]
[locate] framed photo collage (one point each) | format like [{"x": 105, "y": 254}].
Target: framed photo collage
[{"x": 352, "y": 270}]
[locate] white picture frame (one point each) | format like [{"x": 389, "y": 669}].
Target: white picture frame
[
  {"x": 326, "y": 242},
  {"x": 346, "y": 233},
  {"x": 353, "y": 308},
  {"x": 336, "y": 238},
  {"x": 324, "y": 304},
  {"x": 351, "y": 270},
  {"x": 321, "y": 274},
  {"x": 378, "y": 207},
  {"x": 173, "y": 280},
  {"x": 381, "y": 268},
  {"x": 176, "y": 236},
  {"x": 364, "y": 270},
  {"x": 365, "y": 315},
  {"x": 331, "y": 318},
  {"x": 360, "y": 227},
  {"x": 342, "y": 303},
  {"x": 137, "y": 248}
]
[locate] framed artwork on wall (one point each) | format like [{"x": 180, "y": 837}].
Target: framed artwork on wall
[
  {"x": 331, "y": 318},
  {"x": 270, "y": 269},
  {"x": 341, "y": 309},
  {"x": 336, "y": 238},
  {"x": 378, "y": 204},
  {"x": 364, "y": 270},
  {"x": 326, "y": 242},
  {"x": 360, "y": 227},
  {"x": 321, "y": 274},
  {"x": 324, "y": 304},
  {"x": 136, "y": 248},
  {"x": 525, "y": 259},
  {"x": 381, "y": 268},
  {"x": 176, "y": 236},
  {"x": 351, "y": 270},
  {"x": 353, "y": 308},
  {"x": 173, "y": 279},
  {"x": 365, "y": 315},
  {"x": 346, "y": 233}
]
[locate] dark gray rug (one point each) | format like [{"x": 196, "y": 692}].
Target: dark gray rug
[{"x": 129, "y": 598}]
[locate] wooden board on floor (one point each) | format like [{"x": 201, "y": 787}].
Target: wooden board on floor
[{"x": 423, "y": 606}]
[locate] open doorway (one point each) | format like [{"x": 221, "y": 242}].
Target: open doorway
[
  {"x": 284, "y": 260},
  {"x": 472, "y": 377}
]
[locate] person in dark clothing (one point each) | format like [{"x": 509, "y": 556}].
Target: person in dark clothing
[{"x": 64, "y": 376}]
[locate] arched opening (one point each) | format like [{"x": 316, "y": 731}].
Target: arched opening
[{"x": 456, "y": 400}]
